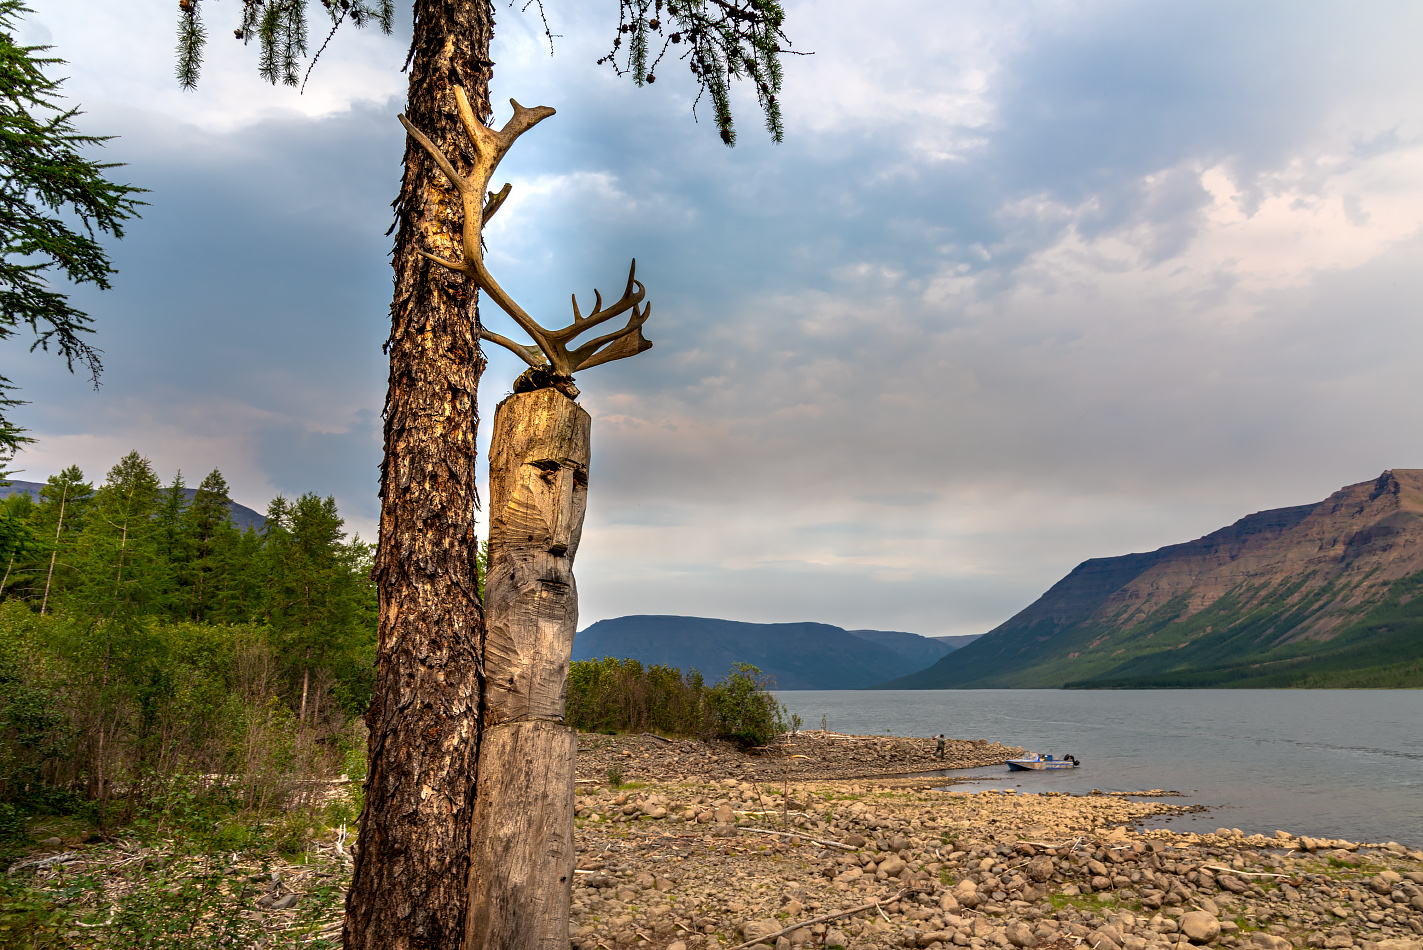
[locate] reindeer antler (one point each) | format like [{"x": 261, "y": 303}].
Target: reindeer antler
[{"x": 550, "y": 352}]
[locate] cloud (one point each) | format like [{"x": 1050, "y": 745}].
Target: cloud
[{"x": 1023, "y": 286}]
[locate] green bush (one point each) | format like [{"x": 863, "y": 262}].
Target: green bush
[{"x": 611, "y": 695}]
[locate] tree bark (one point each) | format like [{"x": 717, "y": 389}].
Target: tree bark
[
  {"x": 412, "y": 865},
  {"x": 521, "y": 846}
]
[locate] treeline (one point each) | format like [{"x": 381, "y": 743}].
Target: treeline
[
  {"x": 610, "y": 695},
  {"x": 144, "y": 639}
]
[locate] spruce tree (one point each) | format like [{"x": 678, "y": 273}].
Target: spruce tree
[
  {"x": 212, "y": 541},
  {"x": 54, "y": 204}
]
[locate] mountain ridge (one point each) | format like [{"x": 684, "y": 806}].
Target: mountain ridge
[
  {"x": 796, "y": 655},
  {"x": 1274, "y": 592},
  {"x": 242, "y": 516}
]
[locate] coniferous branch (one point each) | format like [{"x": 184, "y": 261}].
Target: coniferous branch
[
  {"x": 46, "y": 184},
  {"x": 280, "y": 28},
  {"x": 723, "y": 39}
]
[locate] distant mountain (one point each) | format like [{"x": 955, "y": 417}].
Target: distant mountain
[
  {"x": 1328, "y": 594},
  {"x": 242, "y": 516},
  {"x": 920, "y": 651},
  {"x": 797, "y": 655},
  {"x": 958, "y": 642}
]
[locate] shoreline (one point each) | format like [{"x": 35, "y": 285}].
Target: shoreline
[
  {"x": 834, "y": 840},
  {"x": 894, "y": 859}
]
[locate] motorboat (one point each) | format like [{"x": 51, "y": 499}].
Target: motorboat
[{"x": 1032, "y": 762}]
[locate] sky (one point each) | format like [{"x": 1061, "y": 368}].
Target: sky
[{"x": 1025, "y": 284}]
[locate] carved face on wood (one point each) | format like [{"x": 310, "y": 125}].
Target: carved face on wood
[{"x": 551, "y": 496}]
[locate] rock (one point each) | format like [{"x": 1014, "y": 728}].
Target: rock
[
  {"x": 51, "y": 843},
  {"x": 1232, "y": 883},
  {"x": 1268, "y": 941},
  {"x": 1101, "y": 940},
  {"x": 850, "y": 876},
  {"x": 723, "y": 815},
  {"x": 677, "y": 945},
  {"x": 892, "y": 865},
  {"x": 757, "y": 929},
  {"x": 856, "y": 841},
  {"x": 836, "y": 938},
  {"x": 285, "y": 903},
  {"x": 1338, "y": 942},
  {"x": 1210, "y": 907},
  {"x": 1020, "y": 936},
  {"x": 1040, "y": 869},
  {"x": 1199, "y": 926}
]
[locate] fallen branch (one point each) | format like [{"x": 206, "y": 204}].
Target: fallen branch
[
  {"x": 1217, "y": 867},
  {"x": 790, "y": 834},
  {"x": 658, "y": 738},
  {"x": 872, "y": 905}
]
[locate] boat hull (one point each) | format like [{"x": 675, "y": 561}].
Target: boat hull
[{"x": 1028, "y": 765}]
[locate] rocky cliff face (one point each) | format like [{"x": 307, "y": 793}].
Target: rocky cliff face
[{"x": 1277, "y": 587}]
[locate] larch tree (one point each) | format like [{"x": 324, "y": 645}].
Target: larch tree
[
  {"x": 55, "y": 204},
  {"x": 413, "y": 871}
]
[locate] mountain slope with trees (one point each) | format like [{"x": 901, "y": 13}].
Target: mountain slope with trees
[
  {"x": 794, "y": 655},
  {"x": 1313, "y": 595}
]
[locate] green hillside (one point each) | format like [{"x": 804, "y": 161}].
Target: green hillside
[{"x": 1321, "y": 595}]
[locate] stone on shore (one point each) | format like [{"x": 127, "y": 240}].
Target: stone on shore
[{"x": 1200, "y": 927}]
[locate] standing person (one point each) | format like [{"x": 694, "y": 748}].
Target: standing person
[{"x": 940, "y": 740}]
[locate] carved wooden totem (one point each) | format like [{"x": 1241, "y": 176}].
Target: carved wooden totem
[{"x": 521, "y": 844}]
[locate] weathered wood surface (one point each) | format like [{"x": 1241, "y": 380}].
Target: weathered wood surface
[
  {"x": 519, "y": 894},
  {"x": 522, "y": 857}
]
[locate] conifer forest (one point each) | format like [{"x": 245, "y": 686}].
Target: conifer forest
[{"x": 146, "y": 642}]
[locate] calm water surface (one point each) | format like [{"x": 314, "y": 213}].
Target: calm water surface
[{"x": 1329, "y": 763}]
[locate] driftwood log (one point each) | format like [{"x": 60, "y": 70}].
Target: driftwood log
[{"x": 538, "y": 464}]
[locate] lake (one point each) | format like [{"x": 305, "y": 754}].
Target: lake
[{"x": 1325, "y": 763}]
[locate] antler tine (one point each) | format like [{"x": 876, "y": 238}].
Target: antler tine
[
  {"x": 455, "y": 177},
  {"x": 586, "y": 355},
  {"x": 629, "y": 299},
  {"x": 529, "y": 354}
]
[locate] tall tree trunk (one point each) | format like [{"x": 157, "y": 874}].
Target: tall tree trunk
[
  {"x": 522, "y": 854},
  {"x": 63, "y": 497},
  {"x": 409, "y": 888}
]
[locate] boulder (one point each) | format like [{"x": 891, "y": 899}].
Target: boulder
[
  {"x": 1230, "y": 882},
  {"x": 757, "y": 929},
  {"x": 1040, "y": 869},
  {"x": 892, "y": 865},
  {"x": 1100, "y": 940},
  {"x": 1200, "y": 927},
  {"x": 1266, "y": 941},
  {"x": 723, "y": 815},
  {"x": 1020, "y": 936}
]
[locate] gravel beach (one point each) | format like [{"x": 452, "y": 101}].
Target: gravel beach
[
  {"x": 704, "y": 848},
  {"x": 830, "y": 840}
]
